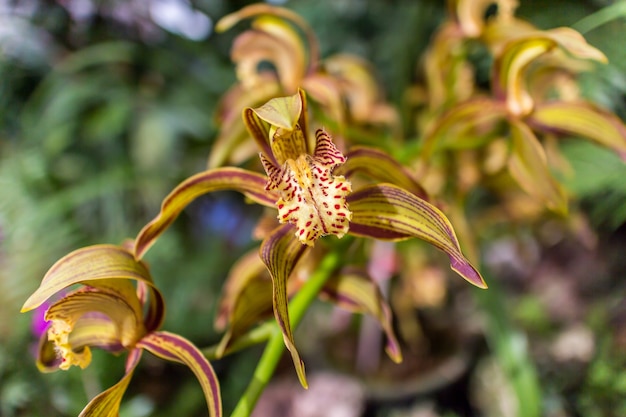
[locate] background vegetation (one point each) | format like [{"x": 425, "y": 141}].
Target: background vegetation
[{"x": 106, "y": 105}]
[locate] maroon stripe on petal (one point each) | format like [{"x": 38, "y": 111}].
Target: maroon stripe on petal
[{"x": 176, "y": 348}]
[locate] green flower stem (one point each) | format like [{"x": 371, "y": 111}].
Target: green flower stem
[{"x": 275, "y": 347}]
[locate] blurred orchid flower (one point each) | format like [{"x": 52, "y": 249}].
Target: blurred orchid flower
[
  {"x": 312, "y": 200},
  {"x": 280, "y": 54},
  {"x": 520, "y": 110},
  {"x": 116, "y": 308}
]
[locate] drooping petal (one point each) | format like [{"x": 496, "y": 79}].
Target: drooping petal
[
  {"x": 581, "y": 119},
  {"x": 107, "y": 404},
  {"x": 381, "y": 167},
  {"x": 388, "y": 212},
  {"x": 246, "y": 298},
  {"x": 249, "y": 183},
  {"x": 176, "y": 348},
  {"x": 355, "y": 291},
  {"x": 91, "y": 263},
  {"x": 528, "y": 166},
  {"x": 280, "y": 252},
  {"x": 154, "y": 304}
]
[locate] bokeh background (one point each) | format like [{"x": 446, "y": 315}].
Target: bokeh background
[{"x": 105, "y": 105}]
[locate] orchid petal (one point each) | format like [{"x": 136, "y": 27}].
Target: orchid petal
[
  {"x": 471, "y": 13},
  {"x": 280, "y": 252},
  {"x": 388, "y": 212},
  {"x": 355, "y": 291},
  {"x": 510, "y": 71},
  {"x": 252, "y": 10},
  {"x": 249, "y": 183},
  {"x": 528, "y": 166},
  {"x": 87, "y": 265},
  {"x": 379, "y": 166},
  {"x": 97, "y": 331},
  {"x": 467, "y": 125},
  {"x": 232, "y": 144},
  {"x": 510, "y": 68},
  {"x": 107, "y": 404},
  {"x": 581, "y": 119},
  {"x": 280, "y": 127},
  {"x": 246, "y": 298},
  {"x": 274, "y": 42},
  {"x": 85, "y": 302},
  {"x": 176, "y": 348}
]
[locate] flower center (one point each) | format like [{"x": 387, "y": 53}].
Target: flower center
[{"x": 310, "y": 196}]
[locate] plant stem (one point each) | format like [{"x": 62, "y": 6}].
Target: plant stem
[{"x": 275, "y": 347}]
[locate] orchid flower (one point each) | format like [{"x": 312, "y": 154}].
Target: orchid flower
[
  {"x": 312, "y": 200},
  {"x": 520, "y": 111},
  {"x": 117, "y": 308},
  {"x": 342, "y": 85}
]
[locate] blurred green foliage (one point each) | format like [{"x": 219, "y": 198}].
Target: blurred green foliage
[{"x": 102, "y": 113}]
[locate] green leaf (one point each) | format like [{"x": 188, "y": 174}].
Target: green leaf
[
  {"x": 92, "y": 263},
  {"x": 249, "y": 183},
  {"x": 280, "y": 252},
  {"x": 581, "y": 119},
  {"x": 379, "y": 166},
  {"x": 355, "y": 291},
  {"x": 107, "y": 404},
  {"x": 529, "y": 167},
  {"x": 388, "y": 212},
  {"x": 176, "y": 348}
]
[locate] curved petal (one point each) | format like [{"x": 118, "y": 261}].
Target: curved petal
[
  {"x": 280, "y": 252},
  {"x": 249, "y": 183},
  {"x": 176, "y": 348},
  {"x": 93, "y": 263},
  {"x": 381, "y": 167},
  {"x": 471, "y": 13},
  {"x": 465, "y": 126},
  {"x": 510, "y": 69},
  {"x": 529, "y": 167},
  {"x": 280, "y": 127},
  {"x": 89, "y": 302},
  {"x": 232, "y": 143},
  {"x": 388, "y": 212},
  {"x": 155, "y": 310},
  {"x": 246, "y": 298},
  {"x": 581, "y": 119},
  {"x": 354, "y": 290},
  {"x": 252, "y": 10},
  {"x": 107, "y": 404},
  {"x": 88, "y": 331}
]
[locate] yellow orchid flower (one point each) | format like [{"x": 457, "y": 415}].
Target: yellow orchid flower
[
  {"x": 308, "y": 183},
  {"x": 116, "y": 308}
]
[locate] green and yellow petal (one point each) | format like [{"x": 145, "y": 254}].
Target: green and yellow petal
[
  {"x": 388, "y": 212},
  {"x": 280, "y": 252},
  {"x": 172, "y": 347}
]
